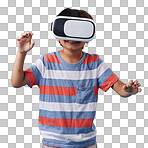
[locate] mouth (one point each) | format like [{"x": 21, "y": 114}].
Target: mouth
[{"x": 72, "y": 42}]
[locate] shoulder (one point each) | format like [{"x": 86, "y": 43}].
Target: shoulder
[
  {"x": 92, "y": 58},
  {"x": 43, "y": 58},
  {"x": 47, "y": 54},
  {"x": 50, "y": 58}
]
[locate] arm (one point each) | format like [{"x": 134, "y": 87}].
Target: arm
[
  {"x": 126, "y": 90},
  {"x": 24, "y": 45},
  {"x": 17, "y": 77}
]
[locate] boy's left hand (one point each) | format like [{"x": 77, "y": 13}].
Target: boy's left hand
[{"x": 132, "y": 87}]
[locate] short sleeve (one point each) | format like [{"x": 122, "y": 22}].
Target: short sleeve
[
  {"x": 106, "y": 77},
  {"x": 33, "y": 73}
]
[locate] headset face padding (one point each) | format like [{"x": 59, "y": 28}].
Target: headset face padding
[{"x": 73, "y": 28}]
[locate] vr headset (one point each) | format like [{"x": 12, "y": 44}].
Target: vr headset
[{"x": 73, "y": 27}]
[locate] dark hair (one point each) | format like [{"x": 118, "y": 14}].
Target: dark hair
[{"x": 81, "y": 13}]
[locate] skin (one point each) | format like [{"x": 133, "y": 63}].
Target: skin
[
  {"x": 24, "y": 45},
  {"x": 71, "y": 53},
  {"x": 126, "y": 90}
]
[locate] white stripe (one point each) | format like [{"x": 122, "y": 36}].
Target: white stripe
[
  {"x": 39, "y": 64},
  {"x": 70, "y": 137},
  {"x": 72, "y": 107},
  {"x": 70, "y": 75},
  {"x": 101, "y": 69}
]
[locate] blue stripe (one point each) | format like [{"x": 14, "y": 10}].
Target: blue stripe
[
  {"x": 67, "y": 115},
  {"x": 36, "y": 73},
  {"x": 104, "y": 76},
  {"x": 68, "y": 83},
  {"x": 69, "y": 144},
  {"x": 70, "y": 99},
  {"x": 59, "y": 66},
  {"x": 66, "y": 130},
  {"x": 28, "y": 82}
]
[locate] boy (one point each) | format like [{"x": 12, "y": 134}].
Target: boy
[{"x": 68, "y": 80}]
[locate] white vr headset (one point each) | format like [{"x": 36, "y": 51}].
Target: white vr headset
[{"x": 73, "y": 28}]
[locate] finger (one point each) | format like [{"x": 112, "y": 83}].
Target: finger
[
  {"x": 32, "y": 44},
  {"x": 18, "y": 38},
  {"x": 26, "y": 35},
  {"x": 137, "y": 85},
  {"x": 27, "y": 32},
  {"x": 139, "y": 89},
  {"x": 29, "y": 35},
  {"x": 129, "y": 87},
  {"x": 130, "y": 83},
  {"x": 23, "y": 35},
  {"x": 124, "y": 87},
  {"x": 135, "y": 82},
  {"x": 134, "y": 86}
]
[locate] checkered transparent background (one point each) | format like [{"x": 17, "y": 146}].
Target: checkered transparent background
[{"x": 121, "y": 40}]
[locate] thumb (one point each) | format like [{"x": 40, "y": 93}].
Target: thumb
[
  {"x": 32, "y": 44},
  {"x": 125, "y": 87}
]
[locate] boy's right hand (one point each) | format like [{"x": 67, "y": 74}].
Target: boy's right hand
[{"x": 24, "y": 42}]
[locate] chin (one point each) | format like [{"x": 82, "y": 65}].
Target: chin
[{"x": 72, "y": 45}]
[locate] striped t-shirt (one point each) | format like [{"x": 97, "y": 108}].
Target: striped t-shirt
[{"x": 68, "y": 97}]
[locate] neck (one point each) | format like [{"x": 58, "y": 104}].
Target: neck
[{"x": 71, "y": 56}]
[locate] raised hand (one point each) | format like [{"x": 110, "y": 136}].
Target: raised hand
[
  {"x": 24, "y": 42},
  {"x": 132, "y": 87}
]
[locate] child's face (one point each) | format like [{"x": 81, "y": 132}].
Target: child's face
[{"x": 72, "y": 45}]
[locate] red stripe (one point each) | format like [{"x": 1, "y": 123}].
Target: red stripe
[
  {"x": 52, "y": 58},
  {"x": 96, "y": 90},
  {"x": 109, "y": 82},
  {"x": 57, "y": 90},
  {"x": 90, "y": 59},
  {"x": 30, "y": 77},
  {"x": 66, "y": 122}
]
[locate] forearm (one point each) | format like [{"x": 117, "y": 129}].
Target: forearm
[
  {"x": 118, "y": 87},
  {"x": 17, "y": 72}
]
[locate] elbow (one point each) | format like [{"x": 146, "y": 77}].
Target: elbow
[
  {"x": 18, "y": 84},
  {"x": 14, "y": 84}
]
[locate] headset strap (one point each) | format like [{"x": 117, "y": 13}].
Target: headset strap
[{"x": 74, "y": 12}]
